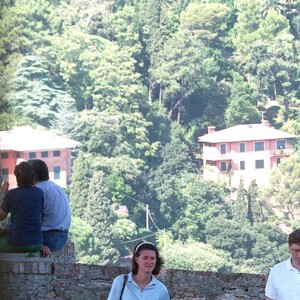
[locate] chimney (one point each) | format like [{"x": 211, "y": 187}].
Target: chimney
[
  {"x": 211, "y": 129},
  {"x": 265, "y": 123}
]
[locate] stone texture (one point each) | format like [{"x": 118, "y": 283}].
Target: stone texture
[{"x": 59, "y": 277}]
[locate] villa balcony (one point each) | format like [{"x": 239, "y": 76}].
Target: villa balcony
[
  {"x": 282, "y": 152},
  {"x": 213, "y": 154}
]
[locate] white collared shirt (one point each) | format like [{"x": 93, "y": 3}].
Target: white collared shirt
[{"x": 283, "y": 282}]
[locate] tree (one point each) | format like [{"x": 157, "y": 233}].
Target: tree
[
  {"x": 123, "y": 230},
  {"x": 272, "y": 5},
  {"x": 285, "y": 185},
  {"x": 116, "y": 85},
  {"x": 205, "y": 21},
  {"x": 186, "y": 256},
  {"x": 247, "y": 208},
  {"x": 248, "y": 19},
  {"x": 81, "y": 174},
  {"x": 126, "y": 30},
  {"x": 242, "y": 106},
  {"x": 100, "y": 216},
  {"x": 268, "y": 249},
  {"x": 81, "y": 233},
  {"x": 25, "y": 27},
  {"x": 112, "y": 133},
  {"x": 230, "y": 236},
  {"x": 175, "y": 161},
  {"x": 201, "y": 201},
  {"x": 34, "y": 94},
  {"x": 183, "y": 66}
]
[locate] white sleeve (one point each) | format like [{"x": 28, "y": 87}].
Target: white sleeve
[{"x": 270, "y": 290}]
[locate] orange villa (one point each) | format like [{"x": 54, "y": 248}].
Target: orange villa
[
  {"x": 24, "y": 143},
  {"x": 244, "y": 152}
]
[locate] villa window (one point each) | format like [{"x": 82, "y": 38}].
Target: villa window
[
  {"x": 56, "y": 153},
  {"x": 57, "y": 172},
  {"x": 4, "y": 155},
  {"x": 259, "y": 146},
  {"x": 259, "y": 164},
  {"x": 4, "y": 174},
  {"x": 242, "y": 147},
  {"x": 32, "y": 155},
  {"x": 280, "y": 144},
  {"x": 44, "y": 154},
  {"x": 223, "y": 148},
  {"x": 223, "y": 166},
  {"x": 242, "y": 165}
]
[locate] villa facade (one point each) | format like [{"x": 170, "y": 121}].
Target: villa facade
[
  {"x": 24, "y": 143},
  {"x": 244, "y": 152}
]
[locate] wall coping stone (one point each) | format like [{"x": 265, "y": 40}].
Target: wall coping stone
[{"x": 26, "y": 276}]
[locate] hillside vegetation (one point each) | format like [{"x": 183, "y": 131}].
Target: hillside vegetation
[{"x": 136, "y": 82}]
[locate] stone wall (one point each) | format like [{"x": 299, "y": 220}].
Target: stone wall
[{"x": 59, "y": 277}]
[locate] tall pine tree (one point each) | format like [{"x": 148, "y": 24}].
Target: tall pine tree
[{"x": 101, "y": 217}]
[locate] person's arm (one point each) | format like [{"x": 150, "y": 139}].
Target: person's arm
[
  {"x": 3, "y": 214},
  {"x": 4, "y": 189},
  {"x": 270, "y": 290},
  {"x": 115, "y": 290}
]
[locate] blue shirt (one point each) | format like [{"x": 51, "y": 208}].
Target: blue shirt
[
  {"x": 56, "y": 213},
  {"x": 155, "y": 290},
  {"x": 25, "y": 206}
]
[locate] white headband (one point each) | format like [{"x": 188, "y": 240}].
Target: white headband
[{"x": 143, "y": 244}]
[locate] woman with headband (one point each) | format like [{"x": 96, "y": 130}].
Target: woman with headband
[{"x": 140, "y": 282}]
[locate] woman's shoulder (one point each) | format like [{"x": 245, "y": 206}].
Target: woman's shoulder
[
  {"x": 160, "y": 284},
  {"x": 120, "y": 278}
]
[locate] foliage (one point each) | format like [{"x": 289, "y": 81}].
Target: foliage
[
  {"x": 136, "y": 83},
  {"x": 81, "y": 233},
  {"x": 100, "y": 216},
  {"x": 33, "y": 93},
  {"x": 186, "y": 256},
  {"x": 81, "y": 174},
  {"x": 201, "y": 202},
  {"x": 175, "y": 160},
  {"x": 241, "y": 108},
  {"x": 123, "y": 230},
  {"x": 247, "y": 208},
  {"x": 284, "y": 185}
]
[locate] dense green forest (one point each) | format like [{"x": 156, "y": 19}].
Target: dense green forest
[{"x": 136, "y": 83}]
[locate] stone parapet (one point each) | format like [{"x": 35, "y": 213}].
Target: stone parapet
[
  {"x": 34, "y": 277},
  {"x": 66, "y": 254},
  {"x": 81, "y": 281}
]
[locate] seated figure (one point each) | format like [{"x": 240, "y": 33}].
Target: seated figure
[{"x": 24, "y": 204}]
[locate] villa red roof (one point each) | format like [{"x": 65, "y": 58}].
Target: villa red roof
[
  {"x": 248, "y": 132},
  {"x": 25, "y": 138}
]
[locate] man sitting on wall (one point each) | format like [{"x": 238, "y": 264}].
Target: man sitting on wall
[
  {"x": 56, "y": 212},
  {"x": 284, "y": 279}
]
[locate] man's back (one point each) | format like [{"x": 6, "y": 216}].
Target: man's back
[{"x": 56, "y": 213}]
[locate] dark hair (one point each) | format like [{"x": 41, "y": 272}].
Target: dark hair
[
  {"x": 40, "y": 169},
  {"x": 294, "y": 237},
  {"x": 24, "y": 173},
  {"x": 136, "y": 253}
]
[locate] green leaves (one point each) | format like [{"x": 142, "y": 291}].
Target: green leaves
[
  {"x": 186, "y": 256},
  {"x": 34, "y": 94},
  {"x": 284, "y": 185}
]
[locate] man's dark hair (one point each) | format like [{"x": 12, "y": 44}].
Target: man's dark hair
[
  {"x": 40, "y": 169},
  {"x": 24, "y": 173},
  {"x": 136, "y": 253},
  {"x": 294, "y": 237}
]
